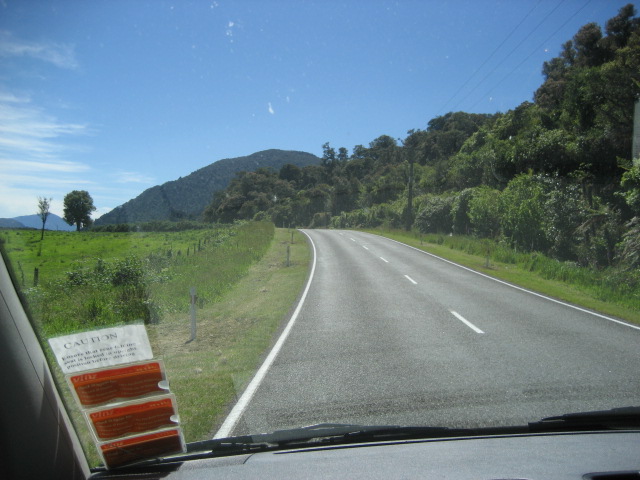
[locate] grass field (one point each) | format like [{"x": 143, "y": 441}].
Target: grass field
[{"x": 245, "y": 289}]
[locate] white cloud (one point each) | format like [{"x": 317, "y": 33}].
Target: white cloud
[
  {"x": 34, "y": 156},
  {"x": 59, "y": 54},
  {"x": 271, "y": 110},
  {"x": 8, "y": 165},
  {"x": 133, "y": 177},
  {"x": 29, "y": 131}
]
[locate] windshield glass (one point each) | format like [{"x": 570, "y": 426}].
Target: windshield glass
[{"x": 270, "y": 215}]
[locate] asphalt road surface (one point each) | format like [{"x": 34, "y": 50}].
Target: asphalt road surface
[{"x": 389, "y": 335}]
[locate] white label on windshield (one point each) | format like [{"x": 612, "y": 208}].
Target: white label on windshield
[{"x": 101, "y": 348}]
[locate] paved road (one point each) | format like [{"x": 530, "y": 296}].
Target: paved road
[{"x": 390, "y": 335}]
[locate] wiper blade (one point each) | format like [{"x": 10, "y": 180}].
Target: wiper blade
[
  {"x": 617, "y": 418},
  {"x": 341, "y": 433},
  {"x": 306, "y": 434},
  {"x": 283, "y": 437},
  {"x": 614, "y": 419},
  {"x": 337, "y": 433}
]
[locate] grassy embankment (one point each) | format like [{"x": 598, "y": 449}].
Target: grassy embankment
[
  {"x": 560, "y": 280},
  {"x": 90, "y": 280},
  {"x": 233, "y": 335}
]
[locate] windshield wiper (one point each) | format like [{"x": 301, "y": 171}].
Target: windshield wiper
[
  {"x": 320, "y": 432},
  {"x": 326, "y": 434},
  {"x": 615, "y": 419}
]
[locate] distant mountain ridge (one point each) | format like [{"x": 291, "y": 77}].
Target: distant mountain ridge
[
  {"x": 187, "y": 197},
  {"x": 54, "y": 222}
]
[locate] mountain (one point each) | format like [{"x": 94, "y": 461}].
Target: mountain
[
  {"x": 10, "y": 223},
  {"x": 187, "y": 197},
  {"x": 54, "y": 222}
]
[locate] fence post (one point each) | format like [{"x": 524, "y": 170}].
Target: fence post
[{"x": 194, "y": 298}]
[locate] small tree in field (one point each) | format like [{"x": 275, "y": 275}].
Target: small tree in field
[
  {"x": 43, "y": 212},
  {"x": 78, "y": 206}
]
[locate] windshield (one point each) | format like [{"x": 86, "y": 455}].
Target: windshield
[{"x": 235, "y": 217}]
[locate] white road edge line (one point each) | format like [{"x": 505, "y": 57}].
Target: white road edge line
[
  {"x": 242, "y": 403},
  {"x": 410, "y": 279},
  {"x": 584, "y": 310},
  {"x": 384, "y": 260},
  {"x": 466, "y": 322}
]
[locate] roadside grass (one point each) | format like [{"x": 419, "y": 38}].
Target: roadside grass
[
  {"x": 244, "y": 291},
  {"x": 233, "y": 336},
  {"x": 563, "y": 281}
]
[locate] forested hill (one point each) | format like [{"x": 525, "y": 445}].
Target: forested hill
[
  {"x": 554, "y": 175},
  {"x": 186, "y": 197}
]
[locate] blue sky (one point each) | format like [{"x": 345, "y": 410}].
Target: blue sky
[{"x": 115, "y": 96}]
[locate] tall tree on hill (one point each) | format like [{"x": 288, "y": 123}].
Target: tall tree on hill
[
  {"x": 43, "y": 212},
  {"x": 78, "y": 206}
]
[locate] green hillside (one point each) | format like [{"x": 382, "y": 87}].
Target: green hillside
[{"x": 187, "y": 197}]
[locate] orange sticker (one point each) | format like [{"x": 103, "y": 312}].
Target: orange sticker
[
  {"x": 141, "y": 447},
  {"x": 133, "y": 418},
  {"x": 102, "y": 386}
]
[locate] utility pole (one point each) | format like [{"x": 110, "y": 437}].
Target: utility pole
[
  {"x": 409, "y": 219},
  {"x": 636, "y": 133}
]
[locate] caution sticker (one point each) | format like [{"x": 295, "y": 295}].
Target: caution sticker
[
  {"x": 141, "y": 447},
  {"x": 101, "y": 348},
  {"x": 108, "y": 385}
]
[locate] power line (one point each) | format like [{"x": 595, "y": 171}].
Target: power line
[
  {"x": 509, "y": 54},
  {"x": 531, "y": 54},
  {"x": 489, "y": 57}
]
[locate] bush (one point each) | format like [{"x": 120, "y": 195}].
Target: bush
[{"x": 435, "y": 215}]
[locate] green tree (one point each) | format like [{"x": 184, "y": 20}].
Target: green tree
[
  {"x": 631, "y": 188},
  {"x": 483, "y": 211},
  {"x": 460, "y": 212},
  {"x": 78, "y": 206},
  {"x": 43, "y": 212},
  {"x": 435, "y": 215},
  {"x": 522, "y": 213}
]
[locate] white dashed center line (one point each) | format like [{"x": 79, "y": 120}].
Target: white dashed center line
[{"x": 466, "y": 322}]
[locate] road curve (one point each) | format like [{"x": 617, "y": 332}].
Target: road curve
[{"x": 386, "y": 334}]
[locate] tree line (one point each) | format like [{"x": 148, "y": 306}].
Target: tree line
[{"x": 553, "y": 175}]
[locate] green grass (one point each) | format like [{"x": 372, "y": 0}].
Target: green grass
[
  {"x": 60, "y": 252},
  {"x": 233, "y": 335},
  {"x": 243, "y": 285},
  {"x": 560, "y": 280}
]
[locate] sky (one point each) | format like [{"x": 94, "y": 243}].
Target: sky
[{"x": 116, "y": 96}]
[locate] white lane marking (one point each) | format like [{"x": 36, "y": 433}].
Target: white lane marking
[
  {"x": 352, "y": 239},
  {"x": 242, "y": 403},
  {"x": 410, "y": 279},
  {"x": 575, "y": 307},
  {"x": 466, "y": 322},
  {"x": 384, "y": 260},
  {"x": 365, "y": 247}
]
